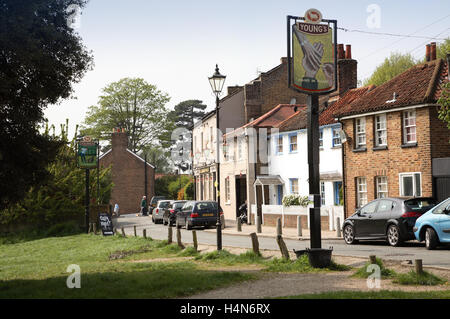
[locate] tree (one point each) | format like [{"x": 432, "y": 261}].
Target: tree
[
  {"x": 158, "y": 157},
  {"x": 185, "y": 113},
  {"x": 41, "y": 57},
  {"x": 444, "y": 102},
  {"x": 394, "y": 65},
  {"x": 443, "y": 49},
  {"x": 133, "y": 104}
]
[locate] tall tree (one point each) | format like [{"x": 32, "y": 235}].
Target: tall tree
[
  {"x": 394, "y": 65},
  {"x": 185, "y": 113},
  {"x": 41, "y": 57},
  {"x": 135, "y": 105},
  {"x": 443, "y": 49},
  {"x": 444, "y": 102}
]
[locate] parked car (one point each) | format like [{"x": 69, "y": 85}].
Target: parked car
[
  {"x": 170, "y": 213},
  {"x": 198, "y": 213},
  {"x": 391, "y": 218},
  {"x": 154, "y": 201},
  {"x": 434, "y": 225},
  {"x": 158, "y": 211}
]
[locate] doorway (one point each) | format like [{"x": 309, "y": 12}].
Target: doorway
[{"x": 241, "y": 192}]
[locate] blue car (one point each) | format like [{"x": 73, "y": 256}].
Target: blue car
[{"x": 434, "y": 225}]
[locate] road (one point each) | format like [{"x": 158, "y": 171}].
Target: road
[{"x": 410, "y": 251}]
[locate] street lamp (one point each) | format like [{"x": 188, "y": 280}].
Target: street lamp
[{"x": 217, "y": 81}]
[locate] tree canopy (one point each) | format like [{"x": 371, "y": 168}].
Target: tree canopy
[
  {"x": 185, "y": 113},
  {"x": 135, "y": 105},
  {"x": 41, "y": 57}
]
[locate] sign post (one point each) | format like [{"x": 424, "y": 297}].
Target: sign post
[
  {"x": 312, "y": 69},
  {"x": 87, "y": 158}
]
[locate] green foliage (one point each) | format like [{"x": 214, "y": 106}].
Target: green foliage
[
  {"x": 301, "y": 265},
  {"x": 135, "y": 105},
  {"x": 188, "y": 252},
  {"x": 42, "y": 57},
  {"x": 62, "y": 197},
  {"x": 185, "y": 113},
  {"x": 396, "y": 64},
  {"x": 444, "y": 102},
  {"x": 413, "y": 278},
  {"x": 385, "y": 272},
  {"x": 171, "y": 185},
  {"x": 295, "y": 200},
  {"x": 189, "y": 191},
  {"x": 443, "y": 49}
]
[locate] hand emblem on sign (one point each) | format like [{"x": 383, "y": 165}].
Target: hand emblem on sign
[{"x": 313, "y": 54}]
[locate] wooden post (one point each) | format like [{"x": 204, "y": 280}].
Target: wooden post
[
  {"x": 338, "y": 227},
  {"x": 169, "y": 235},
  {"x": 258, "y": 224},
  {"x": 123, "y": 232},
  {"x": 418, "y": 266},
  {"x": 135, "y": 234},
  {"x": 239, "y": 225},
  {"x": 194, "y": 239},
  {"x": 283, "y": 248},
  {"x": 144, "y": 233},
  {"x": 279, "y": 229},
  {"x": 373, "y": 259},
  {"x": 299, "y": 226},
  {"x": 180, "y": 244},
  {"x": 95, "y": 228},
  {"x": 255, "y": 243}
]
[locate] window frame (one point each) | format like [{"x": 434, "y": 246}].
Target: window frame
[
  {"x": 321, "y": 138},
  {"x": 333, "y": 137},
  {"x": 405, "y": 127},
  {"x": 278, "y": 144},
  {"x": 377, "y": 184},
  {"x": 290, "y": 136},
  {"x": 322, "y": 193},
  {"x": 380, "y": 130},
  {"x": 358, "y": 192},
  {"x": 359, "y": 133},
  {"x": 291, "y": 184},
  {"x": 414, "y": 186}
]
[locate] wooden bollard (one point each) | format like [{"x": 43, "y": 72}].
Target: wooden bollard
[
  {"x": 419, "y": 266},
  {"x": 258, "y": 224},
  {"x": 169, "y": 235},
  {"x": 238, "y": 224},
  {"x": 373, "y": 259},
  {"x": 279, "y": 229},
  {"x": 299, "y": 226},
  {"x": 144, "y": 233},
  {"x": 135, "y": 234},
  {"x": 194, "y": 239},
  {"x": 255, "y": 243},
  {"x": 123, "y": 232},
  {"x": 283, "y": 248},
  {"x": 95, "y": 228},
  {"x": 338, "y": 227},
  {"x": 179, "y": 243}
]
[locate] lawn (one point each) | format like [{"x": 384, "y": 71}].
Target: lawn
[{"x": 37, "y": 269}]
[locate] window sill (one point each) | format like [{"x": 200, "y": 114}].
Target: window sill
[
  {"x": 293, "y": 152},
  {"x": 228, "y": 203},
  {"x": 336, "y": 146},
  {"x": 380, "y": 148},
  {"x": 359, "y": 150},
  {"x": 409, "y": 145}
]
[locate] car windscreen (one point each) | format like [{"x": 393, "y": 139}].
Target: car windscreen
[
  {"x": 178, "y": 205},
  {"x": 206, "y": 206},
  {"x": 163, "y": 204},
  {"x": 420, "y": 204}
]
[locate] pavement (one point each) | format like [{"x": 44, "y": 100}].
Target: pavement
[{"x": 439, "y": 258}]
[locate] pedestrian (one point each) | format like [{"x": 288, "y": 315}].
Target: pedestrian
[
  {"x": 144, "y": 206},
  {"x": 116, "y": 210}
]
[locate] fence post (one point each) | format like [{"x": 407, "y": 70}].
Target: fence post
[
  {"x": 338, "y": 227},
  {"x": 194, "y": 239},
  {"x": 144, "y": 233},
  {"x": 279, "y": 228},
  {"x": 299, "y": 226},
  {"x": 179, "y": 243},
  {"x": 169, "y": 235},
  {"x": 95, "y": 228},
  {"x": 135, "y": 234},
  {"x": 258, "y": 224},
  {"x": 238, "y": 224},
  {"x": 418, "y": 266},
  {"x": 255, "y": 243},
  {"x": 283, "y": 248},
  {"x": 373, "y": 259}
]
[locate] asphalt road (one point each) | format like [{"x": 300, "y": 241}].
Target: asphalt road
[{"x": 410, "y": 251}]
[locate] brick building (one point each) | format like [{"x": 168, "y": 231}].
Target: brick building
[
  {"x": 395, "y": 145},
  {"x": 128, "y": 175}
]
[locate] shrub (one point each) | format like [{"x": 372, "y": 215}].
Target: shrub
[{"x": 296, "y": 200}]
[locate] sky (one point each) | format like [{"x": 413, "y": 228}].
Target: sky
[{"x": 175, "y": 44}]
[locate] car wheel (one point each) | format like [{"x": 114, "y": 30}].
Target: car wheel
[
  {"x": 349, "y": 235},
  {"x": 431, "y": 239},
  {"x": 187, "y": 226},
  {"x": 393, "y": 236}
]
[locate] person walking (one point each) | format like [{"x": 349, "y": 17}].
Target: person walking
[
  {"x": 144, "y": 206},
  {"x": 116, "y": 210}
]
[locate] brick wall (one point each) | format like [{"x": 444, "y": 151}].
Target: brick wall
[
  {"x": 440, "y": 135},
  {"x": 127, "y": 176},
  {"x": 389, "y": 162}
]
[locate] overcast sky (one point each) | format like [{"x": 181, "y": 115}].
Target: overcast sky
[{"x": 176, "y": 44}]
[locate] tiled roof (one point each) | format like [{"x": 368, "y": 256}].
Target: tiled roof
[{"x": 418, "y": 85}]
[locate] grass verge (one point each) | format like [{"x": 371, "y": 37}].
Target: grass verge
[
  {"x": 413, "y": 278},
  {"x": 364, "y": 272},
  {"x": 383, "y": 294}
]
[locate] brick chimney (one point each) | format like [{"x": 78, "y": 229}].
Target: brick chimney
[
  {"x": 427, "y": 52},
  {"x": 448, "y": 66},
  {"x": 347, "y": 69},
  {"x": 233, "y": 89},
  {"x": 433, "y": 51},
  {"x": 283, "y": 60},
  {"x": 119, "y": 139}
]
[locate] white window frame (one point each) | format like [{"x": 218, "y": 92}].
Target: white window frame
[
  {"x": 381, "y": 130},
  {"x": 360, "y": 132},
  {"x": 381, "y": 181},
  {"x": 278, "y": 144},
  {"x": 320, "y": 138},
  {"x": 407, "y": 117},
  {"x": 227, "y": 189},
  {"x": 361, "y": 195},
  {"x": 335, "y": 138},
  {"x": 322, "y": 193},
  {"x": 291, "y": 185},
  {"x": 291, "y": 144},
  {"x": 413, "y": 175}
]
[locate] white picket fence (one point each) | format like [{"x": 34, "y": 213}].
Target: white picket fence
[{"x": 333, "y": 212}]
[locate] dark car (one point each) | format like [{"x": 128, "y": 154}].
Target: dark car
[
  {"x": 154, "y": 201},
  {"x": 158, "y": 211},
  {"x": 170, "y": 213},
  {"x": 391, "y": 219},
  {"x": 198, "y": 213}
]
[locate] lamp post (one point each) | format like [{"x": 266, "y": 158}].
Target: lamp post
[{"x": 217, "y": 81}]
